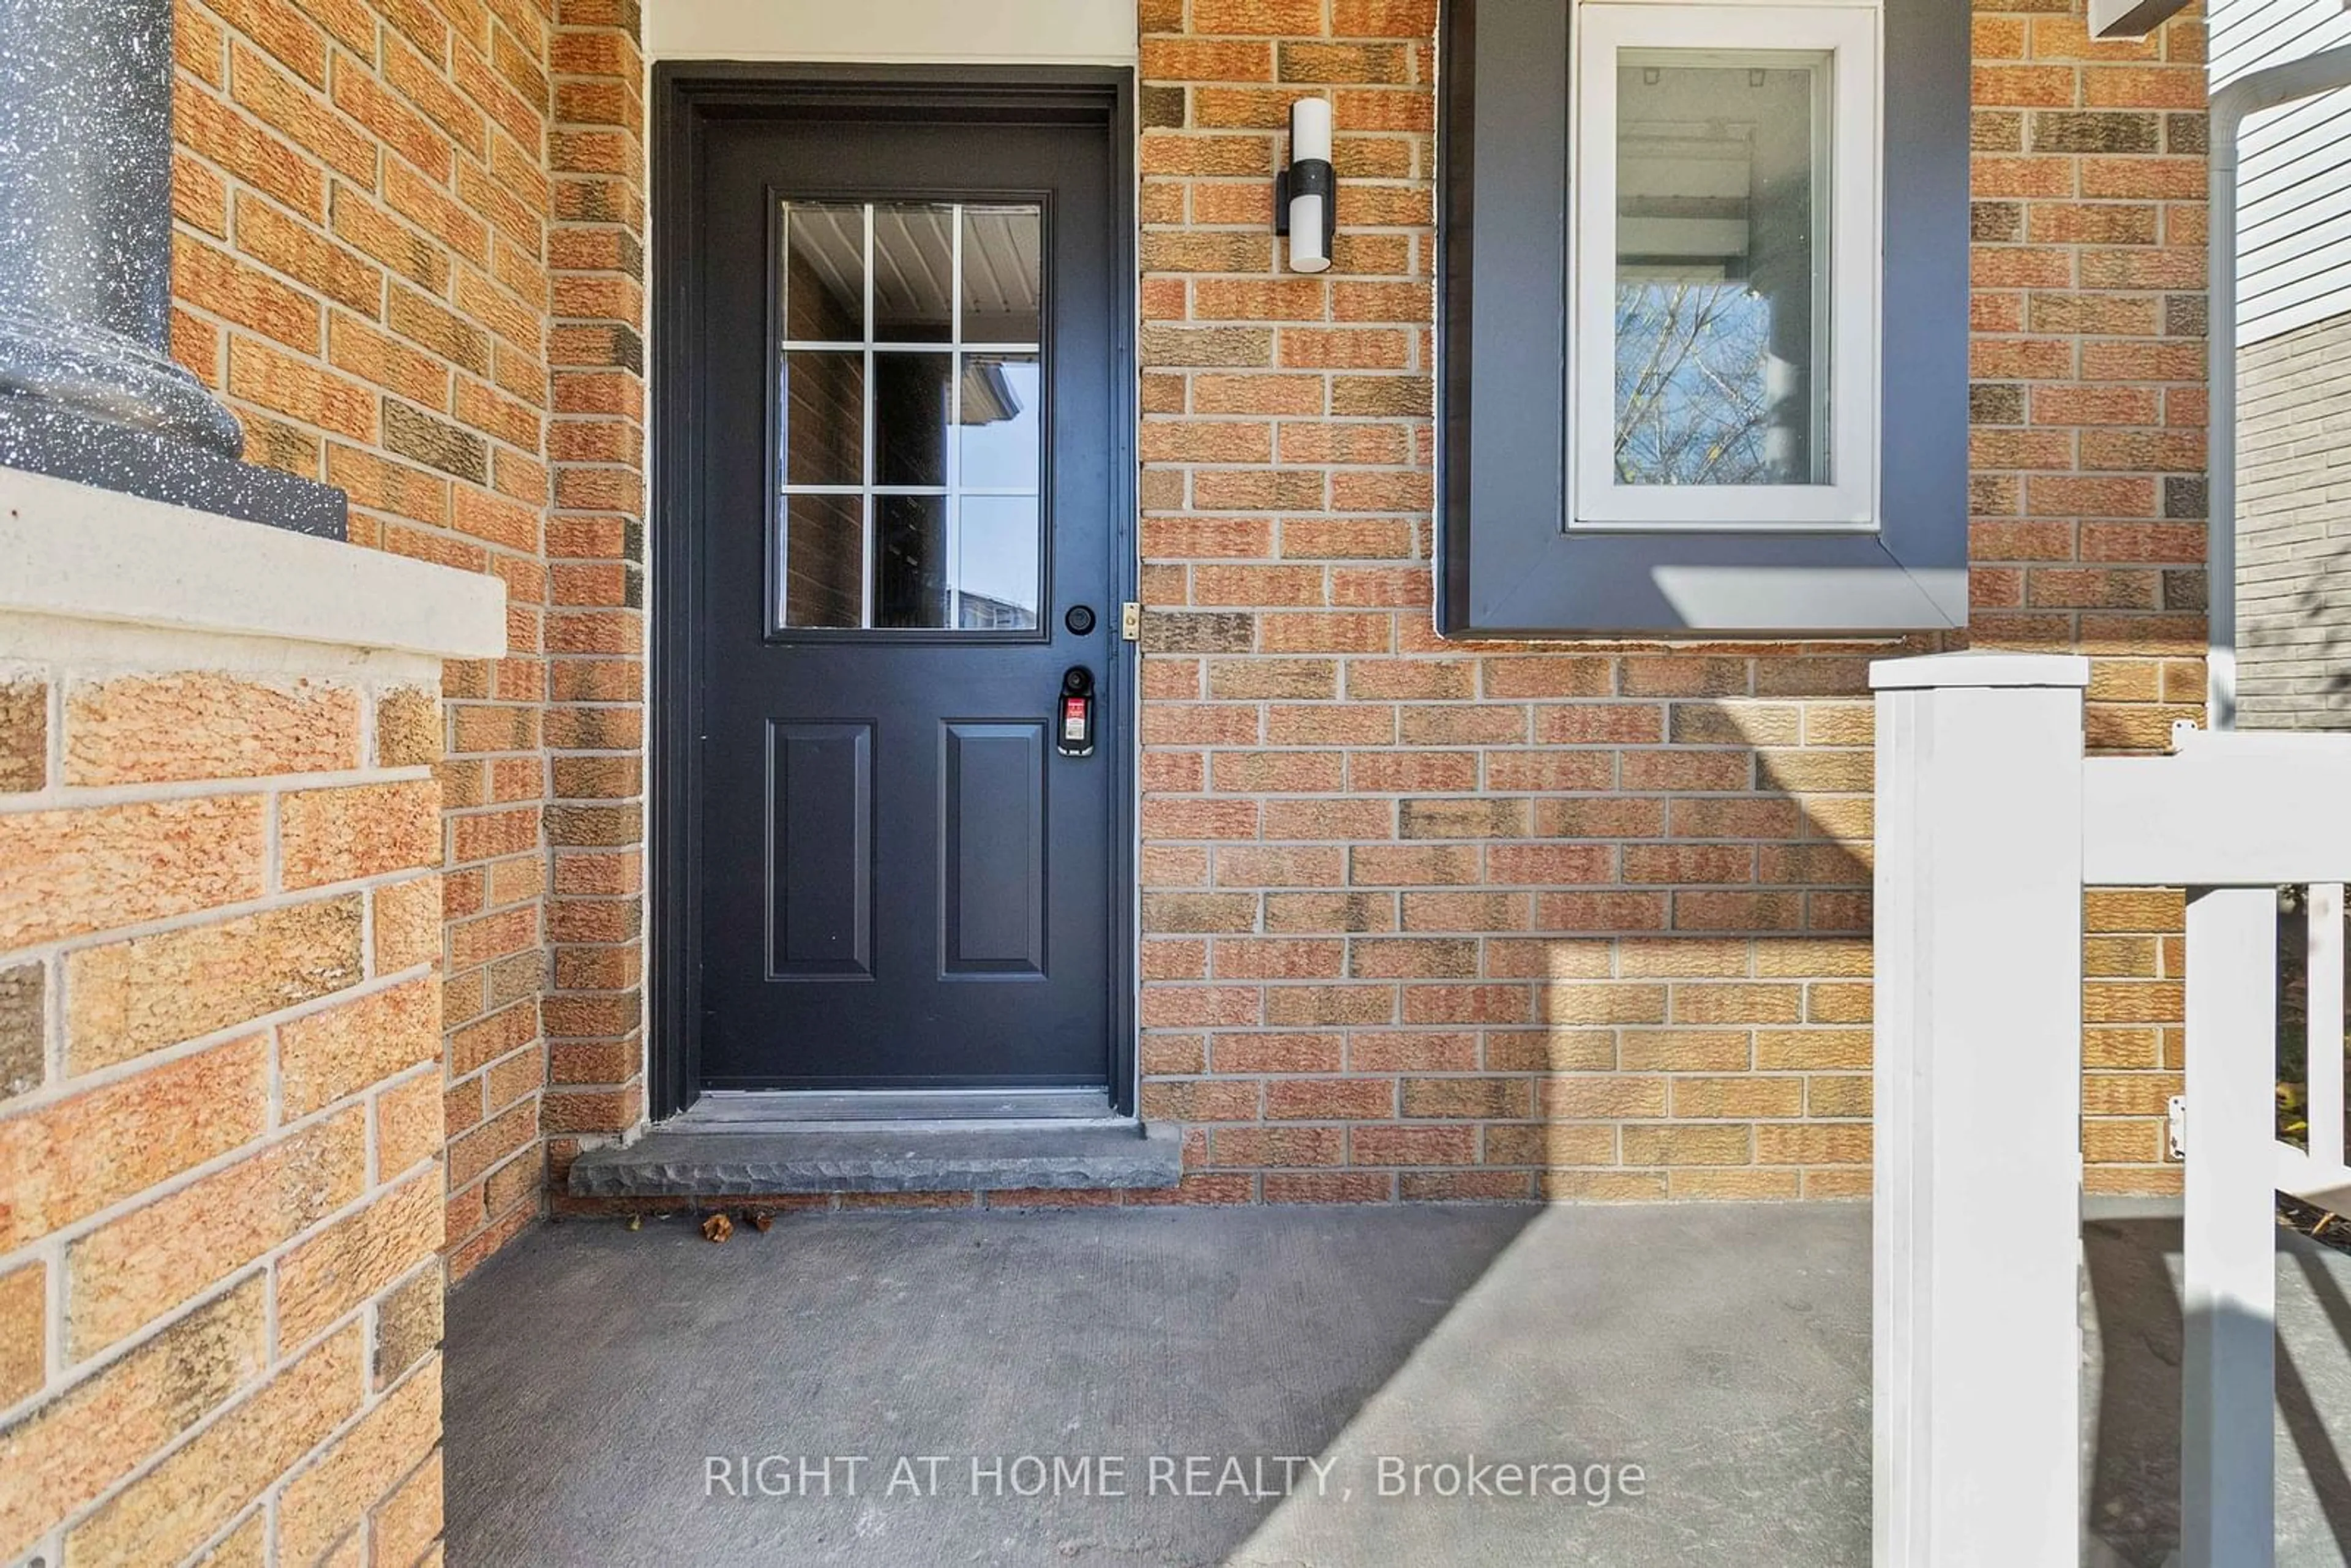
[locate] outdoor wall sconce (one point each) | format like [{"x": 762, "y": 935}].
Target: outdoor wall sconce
[{"x": 1305, "y": 206}]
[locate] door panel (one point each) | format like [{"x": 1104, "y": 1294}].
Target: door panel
[
  {"x": 993, "y": 886},
  {"x": 820, "y": 851},
  {"x": 906, "y": 376}
]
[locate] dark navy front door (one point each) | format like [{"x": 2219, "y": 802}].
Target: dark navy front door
[{"x": 905, "y": 493}]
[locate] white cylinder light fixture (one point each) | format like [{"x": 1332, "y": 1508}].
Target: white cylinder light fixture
[{"x": 1305, "y": 195}]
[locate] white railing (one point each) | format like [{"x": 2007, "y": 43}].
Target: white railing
[
  {"x": 2317, "y": 1173},
  {"x": 1990, "y": 822}
]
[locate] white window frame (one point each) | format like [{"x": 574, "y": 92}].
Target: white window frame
[{"x": 1850, "y": 34}]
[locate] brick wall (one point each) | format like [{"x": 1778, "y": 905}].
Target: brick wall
[
  {"x": 1439, "y": 920},
  {"x": 2088, "y": 491},
  {"x": 220, "y": 1103},
  {"x": 596, "y": 728},
  {"x": 361, "y": 270},
  {"x": 1422, "y": 919}
]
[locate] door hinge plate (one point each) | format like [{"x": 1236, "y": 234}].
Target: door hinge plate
[{"x": 1130, "y": 620}]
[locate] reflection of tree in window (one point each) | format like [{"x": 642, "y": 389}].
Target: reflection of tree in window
[
  {"x": 1693, "y": 401},
  {"x": 1718, "y": 378}
]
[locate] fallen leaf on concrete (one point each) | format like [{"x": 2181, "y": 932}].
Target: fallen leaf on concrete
[
  {"x": 762, "y": 1221},
  {"x": 636, "y": 1222},
  {"x": 717, "y": 1228}
]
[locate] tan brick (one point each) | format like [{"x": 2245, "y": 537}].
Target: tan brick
[
  {"x": 72, "y": 872},
  {"x": 1551, "y": 1145},
  {"x": 1737, "y": 1004},
  {"x": 72, "y": 1157},
  {"x": 136, "y": 729},
  {"x": 125, "y": 1274},
  {"x": 406, "y": 921},
  {"x": 1497, "y": 1098},
  {"x": 1737, "y": 1097},
  {"x": 1852, "y": 1182},
  {"x": 1730, "y": 1186},
  {"x": 68, "y": 1450},
  {"x": 408, "y": 1323},
  {"x": 246, "y": 1546},
  {"x": 406, "y": 1524},
  {"x": 1602, "y": 1187},
  {"x": 24, "y": 1331},
  {"x": 1810, "y": 1048},
  {"x": 325, "y": 1056},
  {"x": 1685, "y": 1050},
  {"x": 326, "y": 1277},
  {"x": 1610, "y": 1096},
  {"x": 2121, "y": 909},
  {"x": 407, "y": 728},
  {"x": 408, "y": 1124},
  {"x": 126, "y": 999},
  {"x": 1845, "y": 1095},
  {"x": 170, "y": 1510},
  {"x": 361, "y": 830},
  {"x": 23, "y": 736},
  {"x": 1604, "y": 1003},
  {"x": 365, "y": 1464},
  {"x": 1685, "y": 1143},
  {"x": 23, "y": 1029},
  {"x": 1814, "y": 1143}
]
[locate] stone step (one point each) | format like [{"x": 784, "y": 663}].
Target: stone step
[{"x": 881, "y": 1157}]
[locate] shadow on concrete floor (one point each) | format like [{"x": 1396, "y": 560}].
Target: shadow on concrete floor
[
  {"x": 2131, "y": 1390},
  {"x": 596, "y": 1374},
  {"x": 1725, "y": 1350}
]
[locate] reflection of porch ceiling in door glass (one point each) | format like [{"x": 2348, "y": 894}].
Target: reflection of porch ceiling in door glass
[
  {"x": 913, "y": 263},
  {"x": 1684, "y": 198}
]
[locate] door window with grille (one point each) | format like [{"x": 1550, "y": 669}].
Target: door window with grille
[{"x": 910, "y": 430}]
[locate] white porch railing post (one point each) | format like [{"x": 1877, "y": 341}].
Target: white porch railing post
[
  {"x": 2322, "y": 1019},
  {"x": 1979, "y": 944},
  {"x": 2227, "y": 1459}
]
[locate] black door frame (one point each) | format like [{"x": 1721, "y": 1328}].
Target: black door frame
[{"x": 687, "y": 96}]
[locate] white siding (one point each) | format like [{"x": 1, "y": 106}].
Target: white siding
[
  {"x": 2293, "y": 531},
  {"x": 2294, "y": 193}
]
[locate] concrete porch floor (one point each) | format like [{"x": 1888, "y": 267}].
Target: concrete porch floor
[{"x": 594, "y": 1372}]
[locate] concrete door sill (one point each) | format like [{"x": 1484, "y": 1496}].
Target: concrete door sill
[{"x": 881, "y": 1157}]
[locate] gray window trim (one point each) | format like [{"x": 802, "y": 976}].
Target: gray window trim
[{"x": 1506, "y": 564}]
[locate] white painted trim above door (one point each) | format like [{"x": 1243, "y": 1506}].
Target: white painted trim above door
[{"x": 1054, "y": 32}]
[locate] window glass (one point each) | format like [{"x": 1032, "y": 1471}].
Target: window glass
[
  {"x": 999, "y": 430},
  {"x": 823, "y": 427},
  {"x": 912, "y": 406},
  {"x": 910, "y": 416},
  {"x": 824, "y": 547},
  {"x": 913, "y": 272},
  {"x": 995, "y": 576},
  {"x": 912, "y": 587},
  {"x": 1001, "y": 252},
  {"x": 1721, "y": 266},
  {"x": 824, "y": 272}
]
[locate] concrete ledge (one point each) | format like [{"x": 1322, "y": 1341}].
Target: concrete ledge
[
  {"x": 880, "y": 1159},
  {"x": 83, "y": 553}
]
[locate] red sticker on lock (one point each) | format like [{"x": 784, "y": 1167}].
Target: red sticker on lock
[{"x": 1074, "y": 718}]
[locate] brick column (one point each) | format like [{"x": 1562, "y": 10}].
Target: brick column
[
  {"x": 596, "y": 724},
  {"x": 2088, "y": 490},
  {"x": 361, "y": 198}
]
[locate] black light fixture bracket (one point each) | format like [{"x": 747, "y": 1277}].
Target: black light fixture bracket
[{"x": 1308, "y": 177}]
